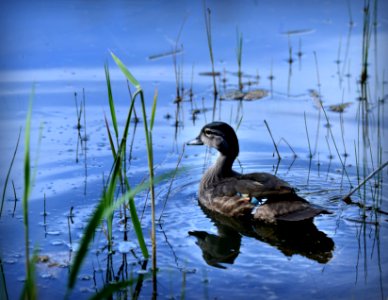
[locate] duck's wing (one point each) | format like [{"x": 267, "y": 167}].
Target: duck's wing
[
  {"x": 226, "y": 199},
  {"x": 292, "y": 208},
  {"x": 261, "y": 185}
]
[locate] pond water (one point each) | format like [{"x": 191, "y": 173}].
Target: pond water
[{"x": 294, "y": 55}]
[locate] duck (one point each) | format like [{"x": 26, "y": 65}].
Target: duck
[{"x": 259, "y": 196}]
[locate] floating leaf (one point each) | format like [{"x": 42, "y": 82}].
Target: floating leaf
[
  {"x": 316, "y": 98},
  {"x": 234, "y": 95},
  {"x": 248, "y": 96},
  {"x": 339, "y": 108},
  {"x": 255, "y": 95},
  {"x": 209, "y": 73}
]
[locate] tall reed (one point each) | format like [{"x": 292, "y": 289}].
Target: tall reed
[
  {"x": 148, "y": 135},
  {"x": 207, "y": 15},
  {"x": 29, "y": 290}
]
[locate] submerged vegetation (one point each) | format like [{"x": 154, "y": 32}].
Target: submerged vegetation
[{"x": 358, "y": 181}]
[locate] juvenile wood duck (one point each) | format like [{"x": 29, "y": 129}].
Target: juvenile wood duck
[{"x": 262, "y": 196}]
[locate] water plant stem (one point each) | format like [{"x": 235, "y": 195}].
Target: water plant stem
[
  {"x": 307, "y": 133},
  {"x": 347, "y": 197},
  {"x": 239, "y": 58},
  {"x": 9, "y": 172},
  {"x": 207, "y": 15},
  {"x": 273, "y": 141}
]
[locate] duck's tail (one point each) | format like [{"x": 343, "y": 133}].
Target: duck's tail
[{"x": 291, "y": 208}]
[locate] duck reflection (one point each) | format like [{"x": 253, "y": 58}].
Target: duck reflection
[{"x": 290, "y": 238}]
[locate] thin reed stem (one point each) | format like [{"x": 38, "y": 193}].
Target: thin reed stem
[
  {"x": 207, "y": 15},
  {"x": 347, "y": 197},
  {"x": 9, "y": 172},
  {"x": 273, "y": 141},
  {"x": 307, "y": 134}
]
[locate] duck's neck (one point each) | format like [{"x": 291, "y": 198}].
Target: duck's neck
[
  {"x": 221, "y": 169},
  {"x": 223, "y": 166}
]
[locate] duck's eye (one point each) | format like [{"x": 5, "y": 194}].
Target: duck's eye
[{"x": 208, "y": 132}]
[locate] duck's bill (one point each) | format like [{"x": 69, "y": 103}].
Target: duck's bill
[{"x": 196, "y": 141}]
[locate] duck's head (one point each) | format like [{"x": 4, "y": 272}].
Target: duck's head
[{"x": 220, "y": 136}]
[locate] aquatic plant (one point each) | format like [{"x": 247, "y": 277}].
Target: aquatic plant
[
  {"x": 148, "y": 134},
  {"x": 29, "y": 289},
  {"x": 107, "y": 205}
]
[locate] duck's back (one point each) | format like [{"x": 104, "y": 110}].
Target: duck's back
[{"x": 265, "y": 184}]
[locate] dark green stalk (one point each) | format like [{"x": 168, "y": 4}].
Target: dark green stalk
[
  {"x": 239, "y": 122},
  {"x": 239, "y": 58},
  {"x": 9, "y": 172},
  {"x": 334, "y": 143},
  {"x": 3, "y": 283},
  {"x": 207, "y": 14},
  {"x": 79, "y": 112},
  {"x": 171, "y": 181},
  {"x": 273, "y": 141},
  {"x": 381, "y": 167},
  {"x": 44, "y": 205},
  {"x": 365, "y": 49},
  {"x": 320, "y": 103},
  {"x": 289, "y": 146},
  {"x": 148, "y": 134},
  {"x": 15, "y": 198},
  {"x": 271, "y": 78},
  {"x": 108, "y": 291}
]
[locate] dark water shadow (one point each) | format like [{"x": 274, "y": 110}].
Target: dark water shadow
[{"x": 302, "y": 238}]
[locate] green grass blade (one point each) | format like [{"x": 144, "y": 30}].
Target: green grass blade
[
  {"x": 148, "y": 141},
  {"x": 111, "y": 102},
  {"x": 153, "y": 112},
  {"x": 27, "y": 171},
  {"x": 9, "y": 172},
  {"x": 126, "y": 72},
  {"x": 109, "y": 199},
  {"x": 29, "y": 290},
  {"x": 138, "y": 229},
  {"x": 112, "y": 146}
]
